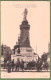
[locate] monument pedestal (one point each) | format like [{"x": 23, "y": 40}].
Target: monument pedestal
[{"x": 26, "y": 51}]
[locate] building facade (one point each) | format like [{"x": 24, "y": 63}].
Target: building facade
[{"x": 5, "y": 50}]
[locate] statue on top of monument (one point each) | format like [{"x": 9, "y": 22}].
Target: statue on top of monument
[{"x": 25, "y": 14}]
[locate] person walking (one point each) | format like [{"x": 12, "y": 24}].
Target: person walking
[
  {"x": 17, "y": 64},
  {"x": 9, "y": 66},
  {"x": 12, "y": 64},
  {"x": 22, "y": 64}
]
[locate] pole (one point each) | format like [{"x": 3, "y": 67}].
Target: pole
[{"x": 36, "y": 49}]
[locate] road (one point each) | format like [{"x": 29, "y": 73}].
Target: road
[{"x": 33, "y": 74}]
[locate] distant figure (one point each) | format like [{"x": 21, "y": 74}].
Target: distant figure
[
  {"x": 25, "y": 14},
  {"x": 12, "y": 65},
  {"x": 9, "y": 66},
  {"x": 33, "y": 64},
  {"x": 5, "y": 63},
  {"x": 39, "y": 65},
  {"x": 45, "y": 66},
  {"x": 22, "y": 64},
  {"x": 25, "y": 65},
  {"x": 17, "y": 64}
]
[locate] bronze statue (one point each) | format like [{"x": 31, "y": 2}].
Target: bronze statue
[{"x": 25, "y": 14}]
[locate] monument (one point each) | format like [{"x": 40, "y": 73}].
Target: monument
[
  {"x": 24, "y": 40},
  {"x": 24, "y": 32},
  {"x": 23, "y": 49}
]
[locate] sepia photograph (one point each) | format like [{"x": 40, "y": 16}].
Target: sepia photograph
[{"x": 25, "y": 39}]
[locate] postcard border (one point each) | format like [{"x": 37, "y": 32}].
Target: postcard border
[{"x": 0, "y": 47}]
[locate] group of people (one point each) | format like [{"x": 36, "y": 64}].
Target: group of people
[{"x": 11, "y": 65}]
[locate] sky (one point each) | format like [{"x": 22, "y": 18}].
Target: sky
[{"x": 38, "y": 18}]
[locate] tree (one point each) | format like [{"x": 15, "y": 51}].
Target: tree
[{"x": 44, "y": 57}]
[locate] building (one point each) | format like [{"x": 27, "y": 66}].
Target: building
[
  {"x": 5, "y": 50},
  {"x": 46, "y": 57},
  {"x": 49, "y": 48}
]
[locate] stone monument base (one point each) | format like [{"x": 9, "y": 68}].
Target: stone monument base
[{"x": 26, "y": 53}]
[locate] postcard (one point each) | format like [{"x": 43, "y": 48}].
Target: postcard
[{"x": 25, "y": 39}]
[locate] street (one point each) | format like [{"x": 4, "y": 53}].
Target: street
[{"x": 33, "y": 74}]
